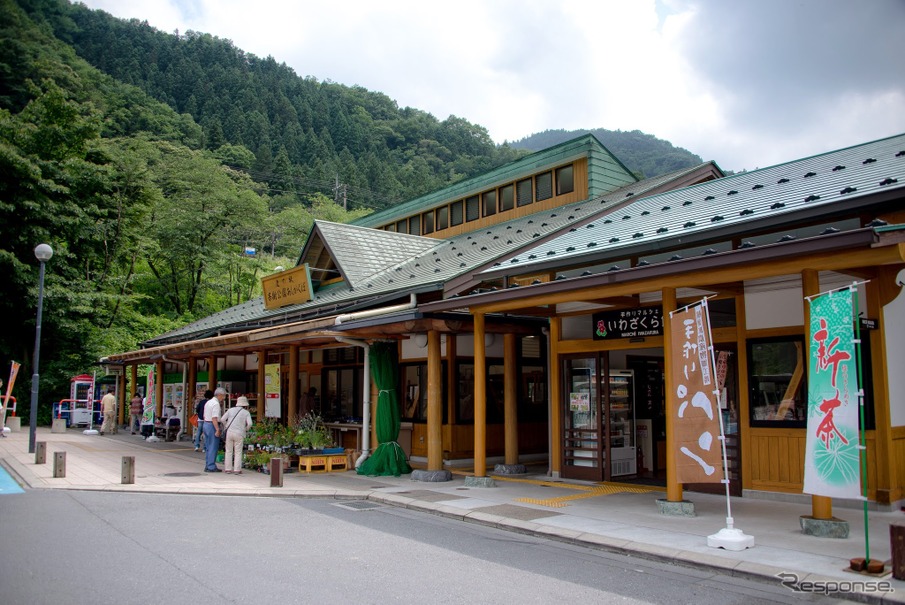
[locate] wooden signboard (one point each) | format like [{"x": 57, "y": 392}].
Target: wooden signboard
[{"x": 290, "y": 287}]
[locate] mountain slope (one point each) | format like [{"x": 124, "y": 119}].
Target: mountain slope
[{"x": 644, "y": 154}]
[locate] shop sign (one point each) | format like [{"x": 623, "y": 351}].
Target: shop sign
[
  {"x": 628, "y": 323},
  {"x": 290, "y": 287},
  {"x": 695, "y": 412}
]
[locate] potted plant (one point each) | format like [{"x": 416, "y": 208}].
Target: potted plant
[{"x": 312, "y": 435}]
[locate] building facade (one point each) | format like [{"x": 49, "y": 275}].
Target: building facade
[{"x": 531, "y": 311}]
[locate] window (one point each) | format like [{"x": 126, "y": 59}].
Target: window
[
  {"x": 564, "y": 180},
  {"x": 413, "y": 402},
  {"x": 391, "y": 227},
  {"x": 472, "y": 208},
  {"x": 493, "y": 393},
  {"x": 523, "y": 193},
  {"x": 401, "y": 226},
  {"x": 465, "y": 393},
  {"x": 342, "y": 394},
  {"x": 427, "y": 223},
  {"x": 414, "y": 392},
  {"x": 415, "y": 225},
  {"x": 543, "y": 184},
  {"x": 776, "y": 382},
  {"x": 442, "y": 218},
  {"x": 489, "y": 198},
  {"x": 506, "y": 198},
  {"x": 455, "y": 213}
]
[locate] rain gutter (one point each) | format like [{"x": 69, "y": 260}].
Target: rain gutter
[{"x": 366, "y": 382}]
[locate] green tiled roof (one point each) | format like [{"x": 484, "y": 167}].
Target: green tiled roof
[
  {"x": 408, "y": 269},
  {"x": 818, "y": 186},
  {"x": 605, "y": 173}
]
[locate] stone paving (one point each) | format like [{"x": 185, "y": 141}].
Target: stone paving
[{"x": 618, "y": 518}]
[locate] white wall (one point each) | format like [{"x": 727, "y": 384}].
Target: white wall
[
  {"x": 577, "y": 327},
  {"x": 410, "y": 349},
  {"x": 774, "y": 303},
  {"x": 465, "y": 346},
  {"x": 894, "y": 323}
]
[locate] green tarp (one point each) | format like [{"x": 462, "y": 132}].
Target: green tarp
[{"x": 388, "y": 458}]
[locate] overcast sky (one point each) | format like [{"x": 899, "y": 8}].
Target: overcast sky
[{"x": 747, "y": 83}]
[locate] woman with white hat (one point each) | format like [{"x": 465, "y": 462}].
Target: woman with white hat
[{"x": 237, "y": 422}]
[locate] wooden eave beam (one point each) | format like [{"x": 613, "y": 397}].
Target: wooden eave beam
[{"x": 835, "y": 261}]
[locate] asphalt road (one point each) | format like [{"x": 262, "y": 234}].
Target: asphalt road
[{"x": 95, "y": 548}]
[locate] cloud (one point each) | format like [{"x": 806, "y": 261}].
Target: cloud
[
  {"x": 747, "y": 83},
  {"x": 808, "y": 76}
]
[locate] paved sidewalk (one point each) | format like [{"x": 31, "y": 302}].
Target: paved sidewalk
[{"x": 616, "y": 517}]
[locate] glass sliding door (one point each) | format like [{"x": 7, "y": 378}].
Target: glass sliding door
[{"x": 582, "y": 444}]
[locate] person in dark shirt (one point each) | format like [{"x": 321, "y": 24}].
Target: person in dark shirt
[{"x": 199, "y": 410}]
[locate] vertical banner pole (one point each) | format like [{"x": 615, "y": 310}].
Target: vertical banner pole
[
  {"x": 719, "y": 413},
  {"x": 861, "y": 438},
  {"x": 729, "y": 537}
]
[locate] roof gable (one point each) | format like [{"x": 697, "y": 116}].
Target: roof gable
[{"x": 354, "y": 254}]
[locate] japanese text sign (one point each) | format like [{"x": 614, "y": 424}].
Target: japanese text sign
[
  {"x": 832, "y": 461},
  {"x": 628, "y": 323},
  {"x": 290, "y": 287},
  {"x": 695, "y": 409}
]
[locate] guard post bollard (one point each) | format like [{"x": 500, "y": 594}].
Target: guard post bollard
[
  {"x": 40, "y": 452},
  {"x": 276, "y": 472},
  {"x": 128, "y": 470},
  {"x": 897, "y": 546},
  {"x": 59, "y": 464}
]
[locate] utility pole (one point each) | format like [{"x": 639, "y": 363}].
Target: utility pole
[{"x": 339, "y": 190}]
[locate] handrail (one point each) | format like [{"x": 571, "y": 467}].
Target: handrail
[{"x": 68, "y": 409}]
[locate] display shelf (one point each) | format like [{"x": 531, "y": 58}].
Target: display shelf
[{"x": 621, "y": 422}]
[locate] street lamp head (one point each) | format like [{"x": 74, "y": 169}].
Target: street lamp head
[{"x": 43, "y": 252}]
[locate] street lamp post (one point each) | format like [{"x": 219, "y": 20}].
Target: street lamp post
[{"x": 43, "y": 252}]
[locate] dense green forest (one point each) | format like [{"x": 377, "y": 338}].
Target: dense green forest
[
  {"x": 644, "y": 154},
  {"x": 307, "y": 136},
  {"x": 150, "y": 161}
]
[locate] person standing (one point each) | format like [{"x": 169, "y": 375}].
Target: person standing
[
  {"x": 135, "y": 410},
  {"x": 212, "y": 430},
  {"x": 236, "y": 423},
  {"x": 199, "y": 411},
  {"x": 108, "y": 405}
]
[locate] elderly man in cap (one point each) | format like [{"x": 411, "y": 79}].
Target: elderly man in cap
[
  {"x": 237, "y": 421},
  {"x": 212, "y": 414}
]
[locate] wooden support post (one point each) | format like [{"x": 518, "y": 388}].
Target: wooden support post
[
  {"x": 480, "y": 398},
  {"x": 673, "y": 487},
  {"x": 192, "y": 388},
  {"x": 59, "y": 464},
  {"x": 121, "y": 405},
  {"x": 40, "y": 452},
  {"x": 128, "y": 470},
  {"x": 434, "y": 403},
  {"x": 276, "y": 472},
  {"x": 158, "y": 389},
  {"x": 293, "y": 404},
  {"x": 259, "y": 410},
  {"x": 510, "y": 403},
  {"x": 555, "y": 404},
  {"x": 134, "y": 372}
]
